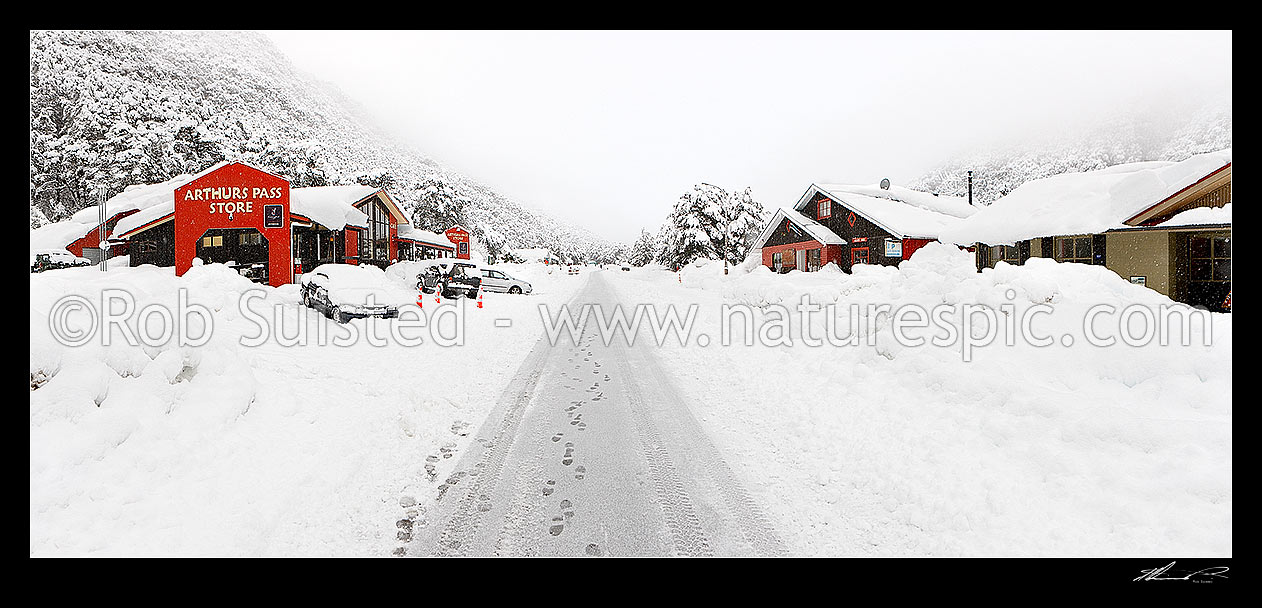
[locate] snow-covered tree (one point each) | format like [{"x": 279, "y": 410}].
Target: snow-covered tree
[
  {"x": 377, "y": 178},
  {"x": 691, "y": 226},
  {"x": 745, "y": 219},
  {"x": 644, "y": 251},
  {"x": 438, "y": 205},
  {"x": 708, "y": 222}
]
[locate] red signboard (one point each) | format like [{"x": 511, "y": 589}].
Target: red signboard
[
  {"x": 232, "y": 200},
  {"x": 460, "y": 238}
]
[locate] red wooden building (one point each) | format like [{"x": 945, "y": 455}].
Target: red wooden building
[
  {"x": 849, "y": 225},
  {"x": 235, "y": 214},
  {"x": 460, "y": 237}
]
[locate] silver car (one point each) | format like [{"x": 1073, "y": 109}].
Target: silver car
[{"x": 495, "y": 280}]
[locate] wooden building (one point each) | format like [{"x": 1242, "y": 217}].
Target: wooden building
[
  {"x": 855, "y": 224},
  {"x": 252, "y": 220},
  {"x": 80, "y": 233},
  {"x": 1164, "y": 225}
]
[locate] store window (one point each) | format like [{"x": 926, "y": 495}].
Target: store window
[
  {"x": 1072, "y": 249},
  {"x": 1210, "y": 257},
  {"x": 1006, "y": 253},
  {"x": 374, "y": 243},
  {"x": 212, "y": 241},
  {"x": 812, "y": 260}
]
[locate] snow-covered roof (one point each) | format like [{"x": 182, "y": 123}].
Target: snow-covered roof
[
  {"x": 407, "y": 231},
  {"x": 58, "y": 235},
  {"x": 1200, "y": 216},
  {"x": 331, "y": 206},
  {"x": 903, "y": 212},
  {"x": 148, "y": 200},
  {"x": 816, "y": 230},
  {"x": 1083, "y": 203}
]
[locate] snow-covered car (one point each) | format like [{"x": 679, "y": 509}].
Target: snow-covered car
[
  {"x": 450, "y": 278},
  {"x": 346, "y": 291},
  {"x": 49, "y": 259},
  {"x": 499, "y": 281},
  {"x": 573, "y": 269},
  {"x": 624, "y": 266}
]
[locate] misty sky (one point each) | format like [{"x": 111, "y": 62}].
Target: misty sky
[{"x": 607, "y": 129}]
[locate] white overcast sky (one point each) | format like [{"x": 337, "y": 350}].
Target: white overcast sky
[{"x": 607, "y": 129}]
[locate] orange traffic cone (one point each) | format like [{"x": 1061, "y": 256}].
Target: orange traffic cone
[{"x": 479, "y": 298}]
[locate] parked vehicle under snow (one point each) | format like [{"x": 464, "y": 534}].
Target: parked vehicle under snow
[{"x": 344, "y": 292}]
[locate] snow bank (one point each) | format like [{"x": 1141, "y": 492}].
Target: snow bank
[
  {"x": 228, "y": 449},
  {"x": 889, "y": 449}
]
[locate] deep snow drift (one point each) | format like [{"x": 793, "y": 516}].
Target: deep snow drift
[
  {"x": 223, "y": 449},
  {"x": 882, "y": 449},
  {"x": 1024, "y": 450}
]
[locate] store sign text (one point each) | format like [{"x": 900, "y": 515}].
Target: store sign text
[{"x": 228, "y": 193}]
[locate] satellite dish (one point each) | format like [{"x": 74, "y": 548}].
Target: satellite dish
[{"x": 885, "y": 183}]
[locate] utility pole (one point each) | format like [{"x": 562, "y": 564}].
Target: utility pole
[
  {"x": 100, "y": 230},
  {"x": 727, "y": 226},
  {"x": 970, "y": 188}
]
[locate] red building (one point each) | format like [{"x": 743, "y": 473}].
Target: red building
[
  {"x": 849, "y": 225},
  {"x": 88, "y": 245},
  {"x": 460, "y": 237},
  {"x": 252, "y": 220}
]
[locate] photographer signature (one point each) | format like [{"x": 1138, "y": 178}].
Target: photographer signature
[{"x": 1157, "y": 574}]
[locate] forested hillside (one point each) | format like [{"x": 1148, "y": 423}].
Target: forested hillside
[
  {"x": 111, "y": 109},
  {"x": 1136, "y": 134}
]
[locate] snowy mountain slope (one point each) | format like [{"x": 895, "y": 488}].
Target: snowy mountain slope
[
  {"x": 1136, "y": 135},
  {"x": 114, "y": 109}
]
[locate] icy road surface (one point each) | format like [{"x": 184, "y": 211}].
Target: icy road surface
[{"x": 591, "y": 451}]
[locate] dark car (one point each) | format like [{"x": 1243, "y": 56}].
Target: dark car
[{"x": 450, "y": 278}]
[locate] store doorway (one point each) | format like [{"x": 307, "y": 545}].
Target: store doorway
[{"x": 244, "y": 249}]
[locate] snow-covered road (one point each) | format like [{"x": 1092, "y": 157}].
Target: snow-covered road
[{"x": 591, "y": 451}]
